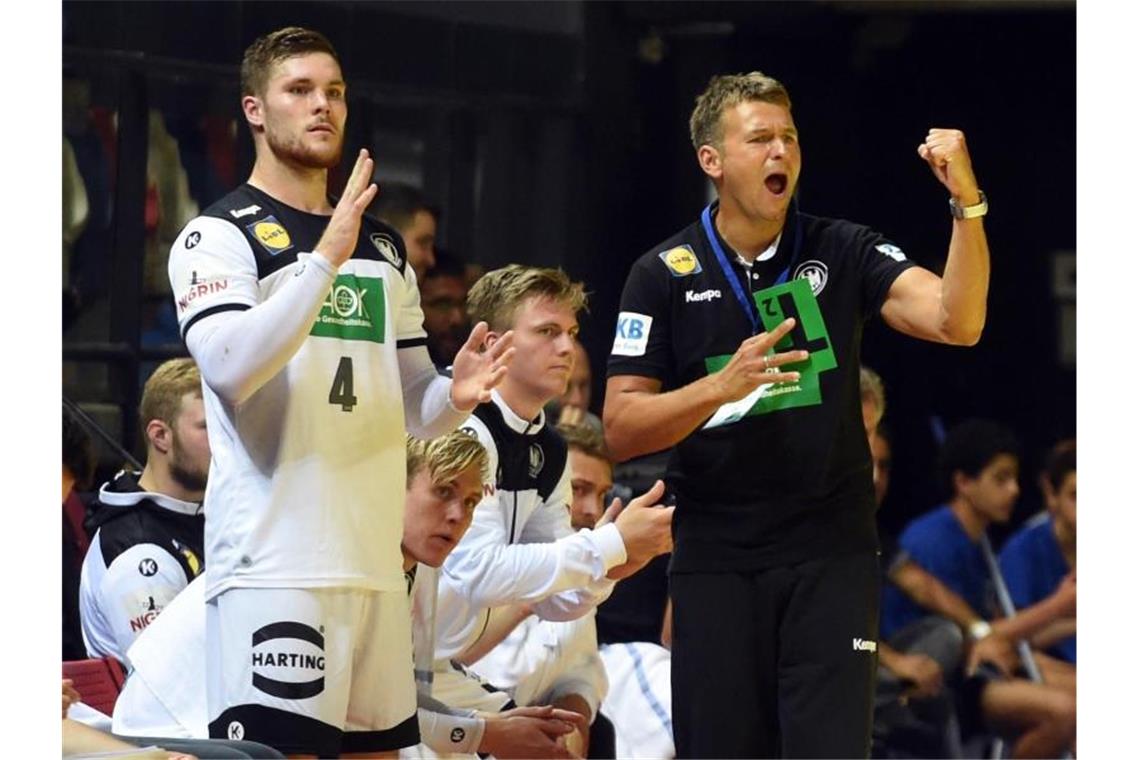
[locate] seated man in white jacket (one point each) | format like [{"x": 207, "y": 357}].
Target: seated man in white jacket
[
  {"x": 522, "y": 548},
  {"x": 548, "y": 662},
  {"x": 166, "y": 693}
]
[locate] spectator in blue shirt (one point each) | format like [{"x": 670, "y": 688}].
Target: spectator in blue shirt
[{"x": 980, "y": 471}]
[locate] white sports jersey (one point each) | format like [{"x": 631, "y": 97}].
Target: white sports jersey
[
  {"x": 520, "y": 546},
  {"x": 307, "y": 477},
  {"x": 146, "y": 548},
  {"x": 165, "y": 694}
]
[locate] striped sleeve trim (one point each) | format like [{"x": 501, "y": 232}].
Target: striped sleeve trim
[{"x": 210, "y": 312}]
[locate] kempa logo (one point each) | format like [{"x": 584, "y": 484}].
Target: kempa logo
[
  {"x": 352, "y": 310},
  {"x": 457, "y": 735},
  {"x": 692, "y": 296},
  {"x": 238, "y": 213},
  {"x": 288, "y": 631},
  {"x": 861, "y": 645}
]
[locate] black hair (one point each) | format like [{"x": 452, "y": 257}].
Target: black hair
[{"x": 971, "y": 446}]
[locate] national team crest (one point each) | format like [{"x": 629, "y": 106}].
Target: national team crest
[
  {"x": 387, "y": 248},
  {"x": 537, "y": 459},
  {"x": 815, "y": 272}
]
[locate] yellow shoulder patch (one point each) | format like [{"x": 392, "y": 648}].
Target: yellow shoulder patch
[{"x": 681, "y": 261}]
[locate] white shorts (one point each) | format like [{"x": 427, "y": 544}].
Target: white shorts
[
  {"x": 321, "y": 670},
  {"x": 640, "y": 700}
]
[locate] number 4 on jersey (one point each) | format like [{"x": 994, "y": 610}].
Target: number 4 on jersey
[{"x": 341, "y": 391}]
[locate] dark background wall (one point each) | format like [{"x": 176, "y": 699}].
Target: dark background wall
[{"x": 556, "y": 133}]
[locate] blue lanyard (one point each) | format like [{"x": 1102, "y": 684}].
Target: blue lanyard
[{"x": 742, "y": 296}]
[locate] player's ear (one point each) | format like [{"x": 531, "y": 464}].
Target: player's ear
[
  {"x": 490, "y": 339},
  {"x": 252, "y": 107},
  {"x": 158, "y": 436},
  {"x": 709, "y": 159}
]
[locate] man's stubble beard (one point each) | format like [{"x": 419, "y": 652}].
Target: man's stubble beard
[
  {"x": 295, "y": 152},
  {"x": 182, "y": 472}
]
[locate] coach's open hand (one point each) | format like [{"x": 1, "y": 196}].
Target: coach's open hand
[
  {"x": 751, "y": 365},
  {"x": 475, "y": 373},
  {"x": 339, "y": 240}
]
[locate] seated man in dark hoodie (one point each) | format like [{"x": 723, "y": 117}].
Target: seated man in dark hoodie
[{"x": 147, "y": 544}]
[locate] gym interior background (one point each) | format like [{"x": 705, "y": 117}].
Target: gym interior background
[{"x": 556, "y": 133}]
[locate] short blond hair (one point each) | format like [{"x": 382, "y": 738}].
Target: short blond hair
[
  {"x": 724, "y": 91},
  {"x": 496, "y": 297},
  {"x": 164, "y": 389},
  {"x": 446, "y": 456}
]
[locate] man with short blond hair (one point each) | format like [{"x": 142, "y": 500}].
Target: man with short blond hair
[
  {"x": 305, "y": 321},
  {"x": 522, "y": 548},
  {"x": 148, "y": 539},
  {"x": 738, "y": 344}
]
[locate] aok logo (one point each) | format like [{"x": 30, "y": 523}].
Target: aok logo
[
  {"x": 288, "y": 648},
  {"x": 346, "y": 302},
  {"x": 353, "y": 310}
]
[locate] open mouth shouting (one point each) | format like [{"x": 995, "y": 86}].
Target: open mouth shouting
[{"x": 777, "y": 183}]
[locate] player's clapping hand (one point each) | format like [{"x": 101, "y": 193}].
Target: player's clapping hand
[
  {"x": 474, "y": 373},
  {"x": 340, "y": 236},
  {"x": 945, "y": 151},
  {"x": 530, "y": 732},
  {"x": 751, "y": 365},
  {"x": 646, "y": 529}
]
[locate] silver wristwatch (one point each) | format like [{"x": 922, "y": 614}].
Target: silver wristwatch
[
  {"x": 979, "y": 629},
  {"x": 970, "y": 212}
]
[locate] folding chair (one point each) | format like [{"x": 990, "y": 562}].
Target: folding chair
[{"x": 97, "y": 681}]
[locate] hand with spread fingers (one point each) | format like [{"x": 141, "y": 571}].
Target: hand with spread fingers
[
  {"x": 752, "y": 365},
  {"x": 340, "y": 236},
  {"x": 474, "y": 372},
  {"x": 945, "y": 151}
]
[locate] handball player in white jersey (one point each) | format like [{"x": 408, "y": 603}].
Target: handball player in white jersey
[{"x": 304, "y": 318}]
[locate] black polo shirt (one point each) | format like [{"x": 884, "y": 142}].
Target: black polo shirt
[{"x": 787, "y": 476}]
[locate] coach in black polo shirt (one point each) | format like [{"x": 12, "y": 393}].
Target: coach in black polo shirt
[{"x": 738, "y": 343}]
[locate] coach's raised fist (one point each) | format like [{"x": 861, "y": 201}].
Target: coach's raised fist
[{"x": 945, "y": 151}]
